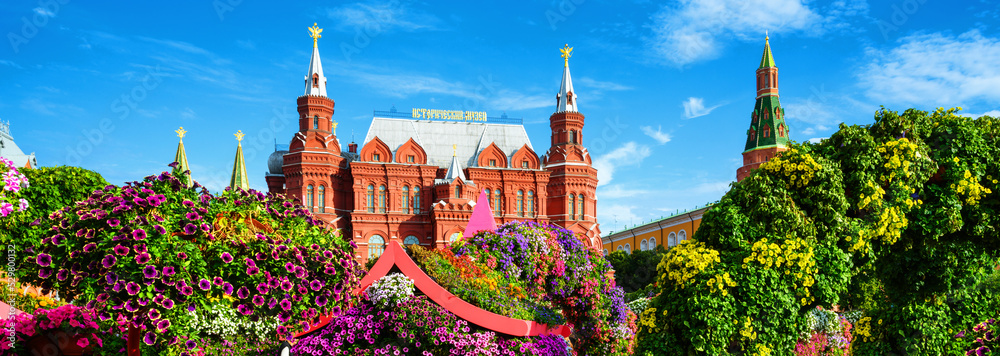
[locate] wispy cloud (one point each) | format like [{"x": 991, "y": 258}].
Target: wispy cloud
[
  {"x": 616, "y": 191},
  {"x": 383, "y": 17},
  {"x": 695, "y": 107},
  {"x": 945, "y": 70},
  {"x": 599, "y": 85},
  {"x": 188, "y": 114},
  {"x": 10, "y": 64},
  {"x": 657, "y": 134},
  {"x": 695, "y": 30},
  {"x": 992, "y": 113},
  {"x": 629, "y": 154},
  {"x": 41, "y": 11},
  {"x": 246, "y": 44}
]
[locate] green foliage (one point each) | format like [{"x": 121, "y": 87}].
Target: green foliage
[
  {"x": 51, "y": 189},
  {"x": 636, "y": 271},
  {"x": 898, "y": 218}
]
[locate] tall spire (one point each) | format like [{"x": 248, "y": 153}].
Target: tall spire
[
  {"x": 181, "y": 156},
  {"x": 766, "y": 60},
  {"x": 566, "y": 99},
  {"x": 315, "y": 80},
  {"x": 239, "y": 179},
  {"x": 455, "y": 170}
]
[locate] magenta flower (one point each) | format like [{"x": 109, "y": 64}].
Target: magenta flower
[
  {"x": 321, "y": 300},
  {"x": 253, "y": 270},
  {"x": 243, "y": 293},
  {"x": 121, "y": 250},
  {"x": 289, "y": 267},
  {"x": 190, "y": 229},
  {"x": 169, "y": 271},
  {"x": 258, "y": 300},
  {"x": 190, "y": 344},
  {"x": 153, "y": 314},
  {"x": 217, "y": 281},
  {"x": 142, "y": 258},
  {"x": 43, "y": 260},
  {"x": 167, "y": 303},
  {"x": 140, "y": 248},
  {"x": 88, "y": 248},
  {"x": 192, "y": 216},
  {"x": 111, "y": 278},
  {"x": 204, "y": 284},
  {"x": 62, "y": 275},
  {"x": 315, "y": 285},
  {"x": 139, "y": 234},
  {"x": 114, "y": 222},
  {"x": 187, "y": 290},
  {"x": 44, "y": 273},
  {"x": 285, "y": 304},
  {"x": 182, "y": 255},
  {"x": 149, "y": 338},
  {"x": 226, "y": 257},
  {"x": 149, "y": 271},
  {"x": 131, "y": 288},
  {"x": 109, "y": 261},
  {"x": 159, "y": 229}
]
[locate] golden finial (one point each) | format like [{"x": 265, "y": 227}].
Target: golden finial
[
  {"x": 315, "y": 32},
  {"x": 766, "y": 37},
  {"x": 334, "y": 125},
  {"x": 180, "y": 133},
  {"x": 454, "y": 148},
  {"x": 566, "y": 54},
  {"x": 239, "y": 136}
]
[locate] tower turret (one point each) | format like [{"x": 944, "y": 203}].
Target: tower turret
[
  {"x": 239, "y": 178},
  {"x": 768, "y": 133}
]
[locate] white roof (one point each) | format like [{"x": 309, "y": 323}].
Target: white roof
[
  {"x": 9, "y": 149},
  {"x": 565, "y": 88},
  {"x": 437, "y": 138},
  {"x": 315, "y": 67}
]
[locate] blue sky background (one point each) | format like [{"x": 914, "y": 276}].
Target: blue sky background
[{"x": 667, "y": 88}]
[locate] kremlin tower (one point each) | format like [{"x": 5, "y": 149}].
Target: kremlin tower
[
  {"x": 768, "y": 134},
  {"x": 573, "y": 181}
]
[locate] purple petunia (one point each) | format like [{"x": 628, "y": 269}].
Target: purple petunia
[
  {"x": 187, "y": 290},
  {"x": 139, "y": 234},
  {"x": 159, "y": 229},
  {"x": 204, "y": 284},
  {"x": 190, "y": 229},
  {"x": 163, "y": 325},
  {"x": 43, "y": 260},
  {"x": 243, "y": 293},
  {"x": 285, "y": 304},
  {"x": 253, "y": 270},
  {"x": 217, "y": 281},
  {"x": 193, "y": 216},
  {"x": 149, "y": 272},
  {"x": 167, "y": 303},
  {"x": 90, "y": 247},
  {"x": 315, "y": 285},
  {"x": 44, "y": 273},
  {"x": 131, "y": 288},
  {"x": 258, "y": 300},
  {"x": 114, "y": 222},
  {"x": 227, "y": 288},
  {"x": 109, "y": 261},
  {"x": 289, "y": 267},
  {"x": 149, "y": 338},
  {"x": 153, "y": 314},
  {"x": 111, "y": 278},
  {"x": 169, "y": 271},
  {"x": 226, "y": 257},
  {"x": 121, "y": 250},
  {"x": 191, "y": 308},
  {"x": 62, "y": 275},
  {"x": 321, "y": 300},
  {"x": 142, "y": 258},
  {"x": 272, "y": 303},
  {"x": 286, "y": 285},
  {"x": 182, "y": 255},
  {"x": 190, "y": 344},
  {"x": 140, "y": 248}
]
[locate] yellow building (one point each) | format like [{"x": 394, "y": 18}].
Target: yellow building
[{"x": 667, "y": 231}]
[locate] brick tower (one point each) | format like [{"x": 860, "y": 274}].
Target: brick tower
[
  {"x": 768, "y": 134},
  {"x": 571, "y": 199},
  {"x": 314, "y": 171}
]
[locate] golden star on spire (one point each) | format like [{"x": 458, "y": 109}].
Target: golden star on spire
[
  {"x": 239, "y": 136},
  {"x": 334, "y": 125},
  {"x": 315, "y": 33},
  {"x": 455, "y": 150},
  {"x": 566, "y": 54},
  {"x": 180, "y": 133}
]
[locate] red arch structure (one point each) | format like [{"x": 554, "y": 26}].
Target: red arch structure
[{"x": 396, "y": 256}]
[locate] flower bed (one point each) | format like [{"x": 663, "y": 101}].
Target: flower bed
[{"x": 67, "y": 327}]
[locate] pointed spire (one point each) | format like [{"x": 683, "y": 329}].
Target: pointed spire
[
  {"x": 239, "y": 179},
  {"x": 482, "y": 217},
  {"x": 455, "y": 170},
  {"x": 181, "y": 156},
  {"x": 566, "y": 97},
  {"x": 766, "y": 60},
  {"x": 315, "y": 80}
]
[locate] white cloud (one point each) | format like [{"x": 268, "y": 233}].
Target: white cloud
[
  {"x": 376, "y": 18},
  {"x": 629, "y": 154},
  {"x": 616, "y": 217},
  {"x": 603, "y": 86},
  {"x": 615, "y": 191},
  {"x": 9, "y": 63},
  {"x": 695, "y": 107},
  {"x": 817, "y": 139},
  {"x": 694, "y": 30},
  {"x": 513, "y": 100},
  {"x": 657, "y": 135},
  {"x": 187, "y": 113},
  {"x": 44, "y": 12},
  {"x": 935, "y": 70},
  {"x": 246, "y": 44},
  {"x": 991, "y": 113}
]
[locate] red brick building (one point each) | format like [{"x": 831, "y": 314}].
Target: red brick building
[{"x": 417, "y": 174}]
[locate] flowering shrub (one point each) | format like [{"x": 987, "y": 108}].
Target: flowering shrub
[
  {"x": 51, "y": 323},
  {"x": 225, "y": 332},
  {"x": 416, "y": 326},
  {"x": 983, "y": 339},
  {"x": 154, "y": 252},
  {"x": 13, "y": 182},
  {"x": 554, "y": 267},
  {"x": 826, "y": 333},
  {"x": 390, "y": 290},
  {"x": 28, "y": 300}
]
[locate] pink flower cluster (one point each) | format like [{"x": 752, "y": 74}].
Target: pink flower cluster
[
  {"x": 69, "y": 318},
  {"x": 13, "y": 181}
]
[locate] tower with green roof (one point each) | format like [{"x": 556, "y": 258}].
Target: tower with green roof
[
  {"x": 239, "y": 179},
  {"x": 768, "y": 133},
  {"x": 181, "y": 157}
]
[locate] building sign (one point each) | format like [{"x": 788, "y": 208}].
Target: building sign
[{"x": 456, "y": 115}]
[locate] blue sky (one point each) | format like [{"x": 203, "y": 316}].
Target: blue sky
[{"x": 667, "y": 88}]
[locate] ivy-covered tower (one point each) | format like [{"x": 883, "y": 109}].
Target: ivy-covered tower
[{"x": 768, "y": 134}]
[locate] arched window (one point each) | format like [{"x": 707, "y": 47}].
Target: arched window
[
  {"x": 370, "y": 201},
  {"x": 381, "y": 198},
  {"x": 376, "y": 245},
  {"x": 411, "y": 240},
  {"x": 416, "y": 200},
  {"x": 652, "y": 243},
  {"x": 681, "y": 236},
  {"x": 315, "y": 80},
  {"x": 572, "y": 206},
  {"x": 628, "y": 248},
  {"x": 620, "y": 247},
  {"x": 530, "y": 204},
  {"x": 458, "y": 191},
  {"x": 454, "y": 237},
  {"x": 579, "y": 204},
  {"x": 406, "y": 200},
  {"x": 767, "y": 131},
  {"x": 316, "y": 122},
  {"x": 488, "y": 196},
  {"x": 497, "y": 208},
  {"x": 672, "y": 240},
  {"x": 643, "y": 245},
  {"x": 309, "y": 198},
  {"x": 572, "y": 136},
  {"x": 520, "y": 203},
  {"x": 322, "y": 199},
  {"x": 605, "y": 252}
]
